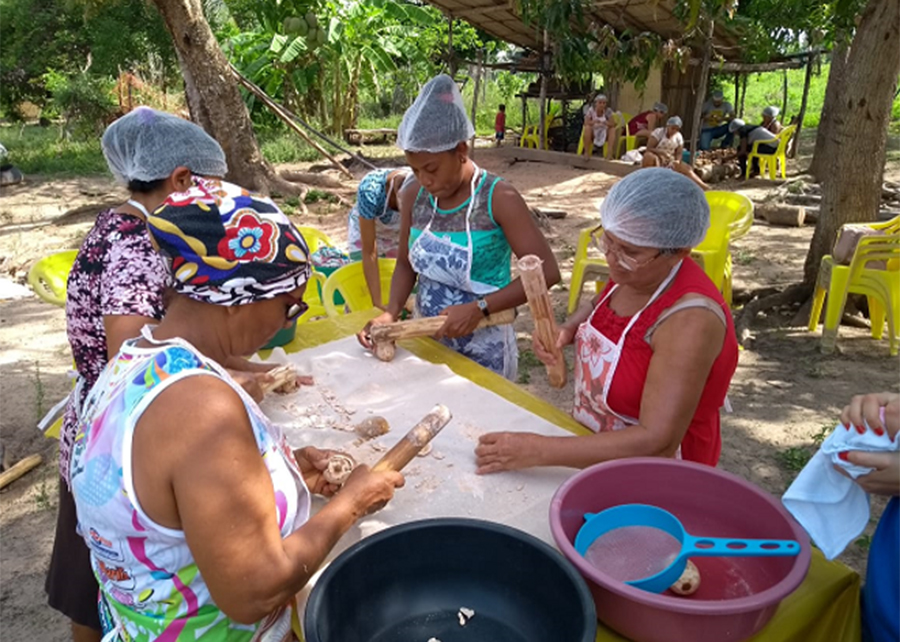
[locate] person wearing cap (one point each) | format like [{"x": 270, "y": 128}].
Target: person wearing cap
[
  {"x": 748, "y": 135},
  {"x": 666, "y": 148},
  {"x": 460, "y": 226},
  {"x": 599, "y": 127},
  {"x": 642, "y": 125},
  {"x": 716, "y": 114},
  {"x": 373, "y": 227},
  {"x": 205, "y": 530},
  {"x": 115, "y": 286},
  {"x": 654, "y": 351},
  {"x": 770, "y": 119}
]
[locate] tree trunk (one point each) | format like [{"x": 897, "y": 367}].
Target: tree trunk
[
  {"x": 857, "y": 142},
  {"x": 700, "y": 96},
  {"x": 213, "y": 97},
  {"x": 836, "y": 77}
]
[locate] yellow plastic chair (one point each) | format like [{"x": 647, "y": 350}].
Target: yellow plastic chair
[
  {"x": 738, "y": 210},
  {"x": 769, "y": 160},
  {"x": 531, "y": 135},
  {"x": 315, "y": 238},
  {"x": 881, "y": 286},
  {"x": 350, "y": 282},
  {"x": 48, "y": 277},
  {"x": 586, "y": 268},
  {"x": 313, "y": 298},
  {"x": 712, "y": 253},
  {"x": 630, "y": 142}
]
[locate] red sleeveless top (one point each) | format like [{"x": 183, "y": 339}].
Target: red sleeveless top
[
  {"x": 703, "y": 441},
  {"x": 638, "y": 123}
]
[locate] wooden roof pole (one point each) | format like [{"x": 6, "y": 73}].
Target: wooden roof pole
[
  {"x": 701, "y": 91},
  {"x": 542, "y": 124},
  {"x": 478, "y": 72},
  {"x": 796, "y": 144}
]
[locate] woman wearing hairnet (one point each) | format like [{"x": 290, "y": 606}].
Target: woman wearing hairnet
[
  {"x": 115, "y": 287},
  {"x": 665, "y": 149},
  {"x": 654, "y": 352},
  {"x": 770, "y": 119},
  {"x": 459, "y": 227}
]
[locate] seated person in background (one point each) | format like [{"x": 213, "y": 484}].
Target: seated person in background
[
  {"x": 644, "y": 123},
  {"x": 599, "y": 128},
  {"x": 373, "y": 227},
  {"x": 666, "y": 148},
  {"x": 881, "y": 592},
  {"x": 716, "y": 115},
  {"x": 770, "y": 119},
  {"x": 748, "y": 135},
  {"x": 654, "y": 352},
  {"x": 205, "y": 531}
]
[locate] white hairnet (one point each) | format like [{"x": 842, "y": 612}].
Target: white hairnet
[
  {"x": 660, "y": 107},
  {"x": 772, "y": 111},
  {"x": 600, "y": 97},
  {"x": 674, "y": 121},
  {"x": 717, "y": 95},
  {"x": 735, "y": 125},
  {"x": 147, "y": 145},
  {"x": 658, "y": 208},
  {"x": 436, "y": 121}
]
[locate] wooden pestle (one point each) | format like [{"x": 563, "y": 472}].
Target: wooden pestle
[
  {"x": 385, "y": 334},
  {"x": 545, "y": 327},
  {"x": 415, "y": 440}
]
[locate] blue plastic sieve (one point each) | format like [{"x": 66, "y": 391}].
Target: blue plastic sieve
[{"x": 641, "y": 515}]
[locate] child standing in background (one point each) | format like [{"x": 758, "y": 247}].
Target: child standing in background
[{"x": 500, "y": 125}]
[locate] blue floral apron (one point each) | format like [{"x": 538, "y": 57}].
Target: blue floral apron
[{"x": 445, "y": 278}]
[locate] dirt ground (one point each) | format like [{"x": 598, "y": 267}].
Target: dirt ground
[{"x": 783, "y": 393}]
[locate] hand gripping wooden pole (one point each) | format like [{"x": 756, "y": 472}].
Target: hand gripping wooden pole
[
  {"x": 384, "y": 335},
  {"x": 415, "y": 440},
  {"x": 545, "y": 328}
]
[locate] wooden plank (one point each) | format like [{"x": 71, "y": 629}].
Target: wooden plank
[{"x": 614, "y": 168}]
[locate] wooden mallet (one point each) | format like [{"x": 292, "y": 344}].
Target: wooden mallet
[
  {"x": 545, "y": 328},
  {"x": 384, "y": 336}
]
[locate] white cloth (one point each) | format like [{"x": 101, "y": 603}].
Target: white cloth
[{"x": 832, "y": 508}]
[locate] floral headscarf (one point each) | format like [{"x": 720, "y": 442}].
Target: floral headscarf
[{"x": 228, "y": 246}]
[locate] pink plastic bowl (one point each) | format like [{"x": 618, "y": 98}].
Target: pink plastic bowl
[{"x": 737, "y": 595}]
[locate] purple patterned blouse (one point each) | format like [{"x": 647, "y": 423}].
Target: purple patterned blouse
[{"x": 117, "y": 272}]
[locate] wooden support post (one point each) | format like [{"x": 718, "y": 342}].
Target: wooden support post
[
  {"x": 542, "y": 125},
  {"x": 784, "y": 95},
  {"x": 737, "y": 89},
  {"x": 478, "y": 72},
  {"x": 700, "y": 96},
  {"x": 796, "y": 142},
  {"x": 545, "y": 330},
  {"x": 451, "y": 56},
  {"x": 415, "y": 440},
  {"x": 743, "y": 93}
]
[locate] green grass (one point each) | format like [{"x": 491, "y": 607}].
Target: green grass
[
  {"x": 41, "y": 150},
  {"x": 527, "y": 361},
  {"x": 765, "y": 89}
]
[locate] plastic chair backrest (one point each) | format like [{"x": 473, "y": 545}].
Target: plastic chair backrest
[
  {"x": 315, "y": 238},
  {"x": 784, "y": 138},
  {"x": 49, "y": 276},
  {"x": 712, "y": 252},
  {"x": 876, "y": 248},
  {"x": 313, "y": 297},
  {"x": 737, "y": 209},
  {"x": 350, "y": 282}
]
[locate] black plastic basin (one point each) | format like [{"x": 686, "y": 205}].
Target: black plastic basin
[{"x": 408, "y": 583}]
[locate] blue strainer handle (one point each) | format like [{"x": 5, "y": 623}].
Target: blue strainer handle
[{"x": 728, "y": 547}]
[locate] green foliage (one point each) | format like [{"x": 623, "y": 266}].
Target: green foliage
[
  {"x": 84, "y": 101},
  {"x": 284, "y": 147},
  {"x": 41, "y": 150},
  {"x": 527, "y": 361},
  {"x": 794, "y": 458},
  {"x": 70, "y": 36}
]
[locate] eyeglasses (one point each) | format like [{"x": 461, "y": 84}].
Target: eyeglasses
[
  {"x": 628, "y": 262},
  {"x": 296, "y": 309}
]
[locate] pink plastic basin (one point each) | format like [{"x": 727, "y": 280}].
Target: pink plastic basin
[{"x": 737, "y": 595}]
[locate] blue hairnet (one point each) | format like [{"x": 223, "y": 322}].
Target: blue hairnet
[{"x": 656, "y": 207}]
